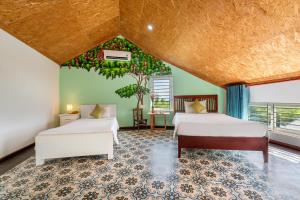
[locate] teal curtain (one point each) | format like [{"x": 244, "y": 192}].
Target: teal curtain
[{"x": 237, "y": 101}]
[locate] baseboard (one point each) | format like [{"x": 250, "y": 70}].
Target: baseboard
[
  {"x": 285, "y": 145},
  {"x": 16, "y": 152}
]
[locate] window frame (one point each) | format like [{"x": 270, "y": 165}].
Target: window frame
[{"x": 171, "y": 96}]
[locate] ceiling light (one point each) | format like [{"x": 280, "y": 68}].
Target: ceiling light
[{"x": 150, "y": 27}]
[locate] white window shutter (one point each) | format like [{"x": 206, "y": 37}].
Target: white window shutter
[{"x": 162, "y": 89}]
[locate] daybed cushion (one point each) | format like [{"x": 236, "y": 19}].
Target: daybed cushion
[{"x": 82, "y": 126}]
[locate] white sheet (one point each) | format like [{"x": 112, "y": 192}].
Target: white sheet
[
  {"x": 81, "y": 126},
  {"x": 217, "y": 125}
]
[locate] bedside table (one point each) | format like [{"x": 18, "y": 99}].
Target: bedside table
[
  {"x": 152, "y": 119},
  {"x": 67, "y": 118}
]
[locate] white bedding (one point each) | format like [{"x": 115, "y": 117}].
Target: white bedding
[
  {"x": 216, "y": 125},
  {"x": 82, "y": 126}
]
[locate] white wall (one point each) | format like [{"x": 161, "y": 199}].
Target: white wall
[
  {"x": 29, "y": 89},
  {"x": 283, "y": 92}
]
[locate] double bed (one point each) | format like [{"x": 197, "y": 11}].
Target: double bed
[
  {"x": 216, "y": 131},
  {"x": 82, "y": 137}
]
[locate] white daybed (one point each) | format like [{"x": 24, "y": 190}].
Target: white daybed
[{"x": 83, "y": 137}]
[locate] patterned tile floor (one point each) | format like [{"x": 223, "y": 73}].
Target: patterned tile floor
[{"x": 144, "y": 167}]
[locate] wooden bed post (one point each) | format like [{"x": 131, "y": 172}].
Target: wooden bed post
[
  {"x": 266, "y": 150},
  {"x": 179, "y": 149},
  {"x": 266, "y": 157}
]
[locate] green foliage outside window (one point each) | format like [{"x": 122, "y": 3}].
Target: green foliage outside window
[
  {"x": 285, "y": 116},
  {"x": 258, "y": 113},
  {"x": 161, "y": 103}
]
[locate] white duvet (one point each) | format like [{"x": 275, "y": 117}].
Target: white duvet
[
  {"x": 81, "y": 126},
  {"x": 215, "y": 124}
]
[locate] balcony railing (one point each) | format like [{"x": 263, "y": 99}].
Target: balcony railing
[
  {"x": 278, "y": 117},
  {"x": 287, "y": 117}
]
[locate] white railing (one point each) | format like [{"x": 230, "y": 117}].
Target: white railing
[{"x": 278, "y": 116}]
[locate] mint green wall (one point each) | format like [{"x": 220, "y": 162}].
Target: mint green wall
[
  {"x": 78, "y": 86},
  {"x": 186, "y": 84}
]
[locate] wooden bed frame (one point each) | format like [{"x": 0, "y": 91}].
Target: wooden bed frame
[{"x": 223, "y": 143}]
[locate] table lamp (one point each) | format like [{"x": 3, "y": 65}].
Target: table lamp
[{"x": 69, "y": 108}]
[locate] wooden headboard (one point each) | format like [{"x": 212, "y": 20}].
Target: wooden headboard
[{"x": 211, "y": 102}]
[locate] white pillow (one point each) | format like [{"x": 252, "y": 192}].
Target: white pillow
[{"x": 188, "y": 108}]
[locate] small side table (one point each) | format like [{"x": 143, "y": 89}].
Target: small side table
[
  {"x": 152, "y": 120},
  {"x": 67, "y": 118}
]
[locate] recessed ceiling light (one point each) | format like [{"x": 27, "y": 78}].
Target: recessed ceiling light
[{"x": 150, "y": 27}]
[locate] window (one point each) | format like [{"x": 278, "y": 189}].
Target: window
[
  {"x": 162, "y": 91},
  {"x": 260, "y": 113},
  {"x": 278, "y": 116},
  {"x": 287, "y": 117}
]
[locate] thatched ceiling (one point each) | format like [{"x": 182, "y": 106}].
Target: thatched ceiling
[
  {"x": 222, "y": 41},
  {"x": 61, "y": 29}
]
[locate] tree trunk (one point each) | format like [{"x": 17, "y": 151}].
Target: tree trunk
[
  {"x": 139, "y": 100},
  {"x": 138, "y": 103}
]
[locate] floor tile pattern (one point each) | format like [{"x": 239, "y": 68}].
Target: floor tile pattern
[{"x": 145, "y": 166}]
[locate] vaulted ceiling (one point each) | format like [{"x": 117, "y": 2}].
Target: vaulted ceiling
[
  {"x": 61, "y": 29},
  {"x": 221, "y": 41}
]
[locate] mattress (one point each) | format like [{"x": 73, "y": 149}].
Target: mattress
[
  {"x": 85, "y": 126},
  {"x": 216, "y": 125}
]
